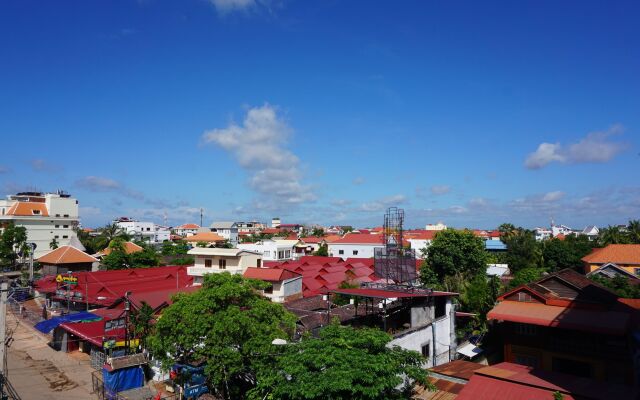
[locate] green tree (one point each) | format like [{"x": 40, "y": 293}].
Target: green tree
[
  {"x": 317, "y": 232},
  {"x": 53, "y": 244},
  {"x": 612, "y": 235},
  {"x": 633, "y": 231},
  {"x": 620, "y": 285},
  {"x": 526, "y": 275},
  {"x": 343, "y": 363},
  {"x": 142, "y": 322},
  {"x": 226, "y": 323},
  {"x": 13, "y": 240},
  {"x": 108, "y": 233},
  {"x": 455, "y": 252},
  {"x": 117, "y": 259},
  {"x": 523, "y": 251},
  {"x": 146, "y": 258},
  {"x": 507, "y": 230},
  {"x": 560, "y": 254},
  {"x": 480, "y": 295},
  {"x": 88, "y": 241},
  {"x": 323, "y": 251}
]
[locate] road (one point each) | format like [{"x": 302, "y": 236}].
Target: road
[{"x": 36, "y": 371}]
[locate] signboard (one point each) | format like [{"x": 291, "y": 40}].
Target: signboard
[
  {"x": 195, "y": 391},
  {"x": 114, "y": 324},
  {"x": 69, "y": 280}
]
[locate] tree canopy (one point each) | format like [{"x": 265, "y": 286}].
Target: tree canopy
[
  {"x": 523, "y": 251},
  {"x": 567, "y": 253},
  {"x": 119, "y": 259},
  {"x": 454, "y": 252},
  {"x": 13, "y": 240},
  {"x": 343, "y": 363},
  {"x": 229, "y": 325}
]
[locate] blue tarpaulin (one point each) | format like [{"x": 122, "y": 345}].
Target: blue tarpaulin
[
  {"x": 48, "y": 325},
  {"x": 123, "y": 379}
]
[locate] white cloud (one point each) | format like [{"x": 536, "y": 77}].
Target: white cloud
[
  {"x": 89, "y": 211},
  {"x": 227, "y": 6},
  {"x": 553, "y": 196},
  {"x": 41, "y": 165},
  {"x": 101, "y": 184},
  {"x": 381, "y": 204},
  {"x": 259, "y": 146},
  {"x": 440, "y": 189},
  {"x": 593, "y": 148},
  {"x": 358, "y": 181}
]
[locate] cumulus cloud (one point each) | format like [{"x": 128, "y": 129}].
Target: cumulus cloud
[
  {"x": 259, "y": 146},
  {"x": 358, "y": 181},
  {"x": 553, "y": 196},
  {"x": 227, "y": 6},
  {"x": 596, "y": 147},
  {"x": 381, "y": 204},
  {"x": 440, "y": 189}
]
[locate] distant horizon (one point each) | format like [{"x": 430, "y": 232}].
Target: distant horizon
[{"x": 473, "y": 113}]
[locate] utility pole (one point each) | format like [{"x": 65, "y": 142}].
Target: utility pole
[
  {"x": 4, "y": 288},
  {"x": 201, "y": 211},
  {"x": 32, "y": 247},
  {"x": 127, "y": 308}
]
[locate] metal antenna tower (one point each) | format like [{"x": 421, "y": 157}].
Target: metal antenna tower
[{"x": 393, "y": 262}]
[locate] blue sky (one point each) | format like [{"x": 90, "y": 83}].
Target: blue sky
[{"x": 472, "y": 113}]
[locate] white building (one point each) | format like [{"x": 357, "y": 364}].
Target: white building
[
  {"x": 215, "y": 260},
  {"x": 591, "y": 231},
  {"x": 435, "y": 227},
  {"x": 250, "y": 227},
  {"x": 275, "y": 222},
  {"x": 186, "y": 230},
  {"x": 272, "y": 249},
  {"x": 355, "y": 245},
  {"x": 228, "y": 230},
  {"x": 44, "y": 215},
  {"x": 145, "y": 231},
  {"x": 542, "y": 233},
  {"x": 285, "y": 285},
  {"x": 561, "y": 230}
]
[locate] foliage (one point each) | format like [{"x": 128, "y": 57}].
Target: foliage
[
  {"x": 119, "y": 259},
  {"x": 13, "y": 240},
  {"x": 202, "y": 244},
  {"x": 226, "y": 245},
  {"x": 341, "y": 299},
  {"x": 346, "y": 228},
  {"x": 557, "y": 395},
  {"x": 526, "y": 275},
  {"x": 317, "y": 232},
  {"x": 560, "y": 254},
  {"x": 323, "y": 250},
  {"x": 523, "y": 251},
  {"x": 228, "y": 324},
  {"x": 184, "y": 260},
  {"x": 480, "y": 295},
  {"x": 620, "y": 285},
  {"x": 54, "y": 243},
  {"x": 88, "y": 241},
  {"x": 617, "y": 235},
  {"x": 343, "y": 363},
  {"x": 142, "y": 322},
  {"x": 455, "y": 252},
  {"x": 108, "y": 233}
]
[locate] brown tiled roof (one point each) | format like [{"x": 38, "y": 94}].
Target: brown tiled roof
[
  {"x": 458, "y": 369},
  {"x": 205, "y": 237},
  {"x": 129, "y": 247},
  {"x": 66, "y": 255},
  {"x": 25, "y": 208},
  {"x": 269, "y": 274},
  {"x": 615, "y": 253}
]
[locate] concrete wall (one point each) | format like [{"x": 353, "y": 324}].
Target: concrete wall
[{"x": 363, "y": 250}]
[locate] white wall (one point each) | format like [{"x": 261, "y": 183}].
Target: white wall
[
  {"x": 270, "y": 250},
  {"x": 362, "y": 250}
]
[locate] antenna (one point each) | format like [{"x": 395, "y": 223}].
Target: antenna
[
  {"x": 393, "y": 262},
  {"x": 201, "y": 211}
]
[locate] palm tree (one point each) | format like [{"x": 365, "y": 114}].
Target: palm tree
[
  {"x": 142, "y": 322},
  {"x": 611, "y": 235},
  {"x": 633, "y": 231},
  {"x": 109, "y": 233}
]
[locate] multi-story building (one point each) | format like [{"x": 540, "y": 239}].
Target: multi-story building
[
  {"x": 44, "y": 215},
  {"x": 272, "y": 250},
  {"x": 355, "y": 245},
  {"x": 144, "y": 231},
  {"x": 250, "y": 227},
  {"x": 228, "y": 230},
  {"x": 186, "y": 230},
  {"x": 568, "y": 324},
  {"x": 210, "y": 260}
]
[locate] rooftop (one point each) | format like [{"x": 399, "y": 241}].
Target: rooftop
[
  {"x": 66, "y": 255},
  {"x": 615, "y": 253}
]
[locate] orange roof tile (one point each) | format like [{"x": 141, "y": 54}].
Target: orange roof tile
[
  {"x": 66, "y": 255},
  {"x": 129, "y": 247},
  {"x": 359, "y": 238},
  {"x": 205, "y": 237},
  {"x": 615, "y": 253},
  {"x": 25, "y": 208},
  {"x": 188, "y": 226}
]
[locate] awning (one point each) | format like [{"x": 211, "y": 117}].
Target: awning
[
  {"x": 470, "y": 350},
  {"x": 389, "y": 294},
  {"x": 93, "y": 332},
  {"x": 607, "y": 322},
  {"x": 48, "y": 325}
]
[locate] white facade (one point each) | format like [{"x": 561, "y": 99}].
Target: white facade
[
  {"x": 145, "y": 231},
  {"x": 217, "y": 260},
  {"x": 346, "y": 250},
  {"x": 431, "y": 335},
  {"x": 228, "y": 230},
  {"x": 287, "y": 289},
  {"x": 272, "y": 250},
  {"x": 250, "y": 227},
  {"x": 275, "y": 222},
  {"x": 435, "y": 227},
  {"x": 44, "y": 215},
  {"x": 561, "y": 230},
  {"x": 542, "y": 234},
  {"x": 186, "y": 230},
  {"x": 418, "y": 245}
]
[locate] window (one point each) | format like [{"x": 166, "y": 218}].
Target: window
[
  {"x": 65, "y": 226},
  {"x": 57, "y": 215},
  {"x": 266, "y": 253},
  {"x": 572, "y": 367},
  {"x": 440, "y": 306},
  {"x": 65, "y": 237},
  {"x": 259, "y": 263},
  {"x": 355, "y": 252},
  {"x": 66, "y": 215},
  {"x": 526, "y": 329},
  {"x": 269, "y": 290},
  {"x": 35, "y": 212},
  {"x": 207, "y": 263},
  {"x": 425, "y": 350},
  {"x": 57, "y": 226},
  {"x": 636, "y": 271},
  {"x": 287, "y": 254},
  {"x": 524, "y": 297},
  {"x": 222, "y": 263},
  {"x": 340, "y": 251},
  {"x": 148, "y": 229},
  {"x": 57, "y": 237}
]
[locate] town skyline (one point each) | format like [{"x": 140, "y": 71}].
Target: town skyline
[{"x": 326, "y": 113}]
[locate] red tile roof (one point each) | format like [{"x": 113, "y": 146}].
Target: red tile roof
[
  {"x": 358, "y": 238},
  {"x": 269, "y": 275},
  {"x": 66, "y": 255},
  {"x": 28, "y": 209},
  {"x": 208, "y": 237},
  {"x": 188, "y": 226},
  {"x": 608, "y": 322},
  {"x": 615, "y": 253}
]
